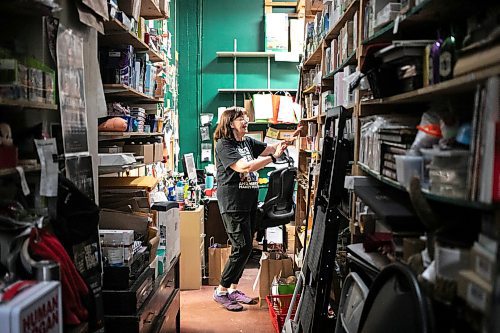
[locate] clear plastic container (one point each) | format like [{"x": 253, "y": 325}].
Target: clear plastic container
[{"x": 408, "y": 167}]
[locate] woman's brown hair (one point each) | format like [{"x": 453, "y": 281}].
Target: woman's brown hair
[{"x": 224, "y": 130}]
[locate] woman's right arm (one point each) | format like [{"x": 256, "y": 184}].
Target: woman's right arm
[{"x": 244, "y": 166}]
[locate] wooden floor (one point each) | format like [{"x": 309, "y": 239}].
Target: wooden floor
[{"x": 200, "y": 313}]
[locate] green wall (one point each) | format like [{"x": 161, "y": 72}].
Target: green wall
[
  {"x": 201, "y": 73},
  {"x": 188, "y": 19}
]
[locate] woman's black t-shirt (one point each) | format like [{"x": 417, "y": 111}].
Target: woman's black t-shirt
[{"x": 237, "y": 192}]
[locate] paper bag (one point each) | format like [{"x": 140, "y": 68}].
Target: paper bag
[
  {"x": 263, "y": 106},
  {"x": 217, "y": 258},
  {"x": 271, "y": 265},
  {"x": 248, "y": 105},
  {"x": 286, "y": 113},
  {"x": 276, "y": 107}
]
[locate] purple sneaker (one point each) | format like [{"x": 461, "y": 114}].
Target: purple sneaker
[
  {"x": 238, "y": 296},
  {"x": 224, "y": 300}
]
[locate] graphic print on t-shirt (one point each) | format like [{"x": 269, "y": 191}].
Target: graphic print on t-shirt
[{"x": 248, "y": 180}]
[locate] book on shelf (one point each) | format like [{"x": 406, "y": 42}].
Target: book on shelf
[{"x": 489, "y": 166}]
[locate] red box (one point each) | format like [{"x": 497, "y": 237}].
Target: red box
[{"x": 8, "y": 157}]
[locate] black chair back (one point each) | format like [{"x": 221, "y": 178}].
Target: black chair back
[{"x": 279, "y": 208}]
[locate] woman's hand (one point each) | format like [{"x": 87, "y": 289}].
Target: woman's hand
[
  {"x": 280, "y": 148},
  {"x": 295, "y": 134}
]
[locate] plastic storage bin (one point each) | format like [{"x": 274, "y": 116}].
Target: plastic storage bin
[{"x": 408, "y": 167}]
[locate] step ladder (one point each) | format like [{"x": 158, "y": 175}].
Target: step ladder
[{"x": 315, "y": 310}]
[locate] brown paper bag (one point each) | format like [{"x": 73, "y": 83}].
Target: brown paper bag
[
  {"x": 276, "y": 108},
  {"x": 217, "y": 258},
  {"x": 248, "y": 105},
  {"x": 271, "y": 265}
]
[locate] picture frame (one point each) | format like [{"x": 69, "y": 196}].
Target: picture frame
[{"x": 257, "y": 135}]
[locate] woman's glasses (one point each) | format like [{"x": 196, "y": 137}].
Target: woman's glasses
[{"x": 241, "y": 119}]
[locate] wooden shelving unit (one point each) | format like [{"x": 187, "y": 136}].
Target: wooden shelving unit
[
  {"x": 107, "y": 170},
  {"x": 351, "y": 60},
  {"x": 427, "y": 193},
  {"x": 316, "y": 122},
  {"x": 348, "y": 14},
  {"x": 115, "y": 33},
  {"x": 13, "y": 171},
  {"x": 22, "y": 104},
  {"x": 315, "y": 58},
  {"x": 446, "y": 88},
  {"x": 150, "y": 11},
  {"x": 457, "y": 95},
  {"x": 125, "y": 135},
  {"x": 121, "y": 91}
]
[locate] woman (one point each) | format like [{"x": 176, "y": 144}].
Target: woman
[{"x": 237, "y": 193}]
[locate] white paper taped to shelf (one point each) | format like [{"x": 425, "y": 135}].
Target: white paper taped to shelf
[
  {"x": 47, "y": 149},
  {"x": 24, "y": 184},
  {"x": 286, "y": 57}
]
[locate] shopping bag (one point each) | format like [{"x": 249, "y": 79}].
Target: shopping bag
[
  {"x": 272, "y": 264},
  {"x": 218, "y": 255},
  {"x": 286, "y": 113},
  {"x": 276, "y": 107},
  {"x": 248, "y": 105},
  {"x": 263, "y": 106}
]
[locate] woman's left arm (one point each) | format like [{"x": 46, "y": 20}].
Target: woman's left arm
[{"x": 270, "y": 149}]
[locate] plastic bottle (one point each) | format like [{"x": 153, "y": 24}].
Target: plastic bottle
[{"x": 179, "y": 191}]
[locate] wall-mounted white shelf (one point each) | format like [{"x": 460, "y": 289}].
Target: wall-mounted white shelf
[
  {"x": 235, "y": 54},
  {"x": 230, "y": 54},
  {"x": 256, "y": 90}
]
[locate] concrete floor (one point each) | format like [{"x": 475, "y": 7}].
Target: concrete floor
[{"x": 200, "y": 313}]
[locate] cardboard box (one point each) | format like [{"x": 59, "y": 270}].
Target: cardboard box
[
  {"x": 112, "y": 219},
  {"x": 474, "y": 290},
  {"x": 131, "y": 8},
  {"x": 110, "y": 236},
  {"x": 158, "y": 152},
  {"x": 146, "y": 150}
]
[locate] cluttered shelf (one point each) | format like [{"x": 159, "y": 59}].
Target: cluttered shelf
[
  {"x": 106, "y": 170},
  {"x": 125, "y": 135},
  {"x": 150, "y": 10},
  {"x": 348, "y": 14},
  {"x": 427, "y": 193},
  {"x": 116, "y": 33},
  {"x": 312, "y": 118},
  {"x": 310, "y": 89},
  {"x": 429, "y": 93},
  {"x": 13, "y": 171},
  {"x": 155, "y": 56},
  {"x": 315, "y": 58},
  {"x": 426, "y": 11},
  {"x": 351, "y": 60},
  {"x": 123, "y": 91},
  {"x": 23, "y": 104},
  {"x": 283, "y": 126}
]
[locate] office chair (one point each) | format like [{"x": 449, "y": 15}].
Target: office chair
[
  {"x": 278, "y": 207},
  {"x": 395, "y": 303}
]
